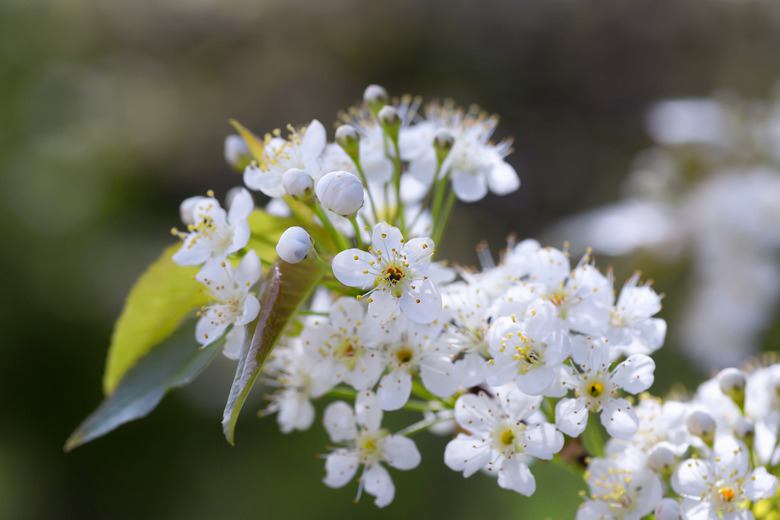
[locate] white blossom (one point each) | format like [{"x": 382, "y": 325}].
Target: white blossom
[
  {"x": 504, "y": 435},
  {"x": 211, "y": 232},
  {"x": 235, "y": 305},
  {"x": 718, "y": 487},
  {"x": 395, "y": 273},
  {"x": 367, "y": 445}
]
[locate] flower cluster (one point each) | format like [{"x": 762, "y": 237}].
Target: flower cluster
[
  {"x": 706, "y": 457},
  {"x": 513, "y": 361}
]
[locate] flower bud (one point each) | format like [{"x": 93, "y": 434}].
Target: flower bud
[
  {"x": 701, "y": 424},
  {"x": 349, "y": 139},
  {"x": 668, "y": 509},
  {"x": 298, "y": 184},
  {"x": 443, "y": 141},
  {"x": 341, "y": 193},
  {"x": 375, "y": 97},
  {"x": 732, "y": 383},
  {"x": 390, "y": 121},
  {"x": 237, "y": 153},
  {"x": 388, "y": 117},
  {"x": 661, "y": 458},
  {"x": 294, "y": 245},
  {"x": 744, "y": 429}
]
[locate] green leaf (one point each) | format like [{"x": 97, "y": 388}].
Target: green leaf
[
  {"x": 166, "y": 294},
  {"x": 284, "y": 288},
  {"x": 159, "y": 301},
  {"x": 255, "y": 144},
  {"x": 174, "y": 363}
]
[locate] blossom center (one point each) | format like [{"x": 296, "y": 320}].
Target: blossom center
[
  {"x": 393, "y": 275},
  {"x": 404, "y": 355},
  {"x": 595, "y": 389},
  {"x": 726, "y": 494},
  {"x": 507, "y": 437}
]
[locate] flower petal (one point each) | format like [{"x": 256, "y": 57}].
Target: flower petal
[
  {"x": 377, "y": 482},
  {"x": 248, "y": 271},
  {"x": 314, "y": 140},
  {"x": 394, "y": 389},
  {"x": 467, "y": 453},
  {"x": 340, "y": 467},
  {"x": 339, "y": 421},
  {"x": 693, "y": 478},
  {"x": 469, "y": 187},
  {"x": 619, "y": 418},
  {"x": 401, "y": 452},
  {"x": 571, "y": 416},
  {"x": 354, "y": 268},
  {"x": 367, "y": 410},
  {"x": 516, "y": 476},
  {"x": 386, "y": 239},
  {"x": 421, "y": 302},
  {"x": 543, "y": 441},
  {"x": 759, "y": 485},
  {"x": 635, "y": 374}
]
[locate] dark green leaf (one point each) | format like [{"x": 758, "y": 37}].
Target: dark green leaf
[
  {"x": 175, "y": 362},
  {"x": 284, "y": 288}
]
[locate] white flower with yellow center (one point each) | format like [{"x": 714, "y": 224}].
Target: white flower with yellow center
[
  {"x": 234, "y": 305},
  {"x": 474, "y": 164},
  {"x": 620, "y": 488},
  {"x": 296, "y": 374},
  {"x": 395, "y": 271},
  {"x": 414, "y": 348},
  {"x": 301, "y": 150},
  {"x": 596, "y": 389},
  {"x": 528, "y": 349},
  {"x": 367, "y": 445},
  {"x": 632, "y": 328},
  {"x": 722, "y": 486},
  {"x": 505, "y": 431},
  {"x": 345, "y": 345},
  {"x": 213, "y": 233}
]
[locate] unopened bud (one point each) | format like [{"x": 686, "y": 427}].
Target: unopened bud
[
  {"x": 341, "y": 193},
  {"x": 668, "y": 509},
  {"x": 744, "y": 429},
  {"x": 298, "y": 184},
  {"x": 375, "y": 97},
  {"x": 732, "y": 383},
  {"x": 187, "y": 209},
  {"x": 390, "y": 121},
  {"x": 388, "y": 117},
  {"x": 237, "y": 153},
  {"x": 294, "y": 245},
  {"x": 349, "y": 139},
  {"x": 443, "y": 141},
  {"x": 661, "y": 458},
  {"x": 701, "y": 424}
]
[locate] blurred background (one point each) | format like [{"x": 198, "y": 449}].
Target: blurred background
[{"x": 112, "y": 112}]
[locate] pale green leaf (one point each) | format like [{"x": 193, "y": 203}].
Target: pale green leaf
[
  {"x": 255, "y": 144},
  {"x": 167, "y": 293},
  {"x": 160, "y": 300}
]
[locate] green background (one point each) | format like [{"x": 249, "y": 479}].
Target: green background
[{"x": 111, "y": 112}]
